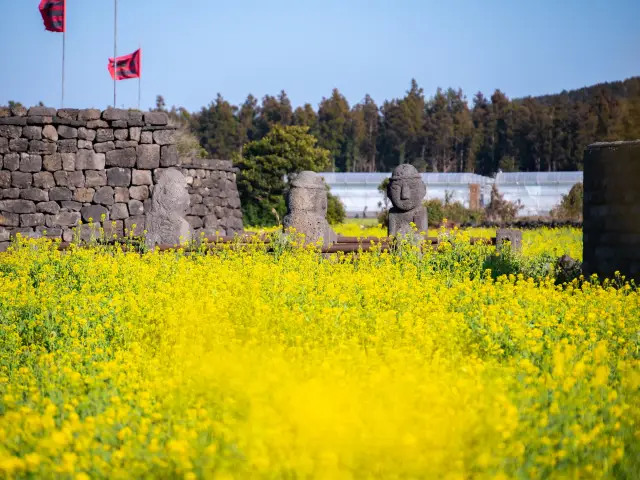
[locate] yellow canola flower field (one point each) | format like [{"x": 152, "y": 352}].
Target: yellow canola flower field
[
  {"x": 249, "y": 364},
  {"x": 557, "y": 241}
]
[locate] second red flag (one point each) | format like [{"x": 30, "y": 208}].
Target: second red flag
[{"x": 127, "y": 66}]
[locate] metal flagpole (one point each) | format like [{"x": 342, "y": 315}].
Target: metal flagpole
[
  {"x": 64, "y": 37},
  {"x": 139, "y": 72},
  {"x": 115, "y": 49}
]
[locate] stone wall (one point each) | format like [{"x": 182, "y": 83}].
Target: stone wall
[
  {"x": 59, "y": 168},
  {"x": 611, "y": 224},
  {"x": 215, "y": 201}
]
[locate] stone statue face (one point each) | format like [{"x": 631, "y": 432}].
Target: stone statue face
[{"x": 406, "y": 193}]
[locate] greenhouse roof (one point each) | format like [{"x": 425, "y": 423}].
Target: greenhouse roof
[
  {"x": 537, "y": 178},
  {"x": 502, "y": 178}
]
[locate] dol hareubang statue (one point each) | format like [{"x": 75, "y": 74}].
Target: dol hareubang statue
[
  {"x": 165, "y": 221},
  {"x": 307, "y": 208},
  {"x": 406, "y": 191}
]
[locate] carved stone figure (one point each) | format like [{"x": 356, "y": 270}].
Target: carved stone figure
[
  {"x": 307, "y": 208},
  {"x": 512, "y": 235},
  {"x": 567, "y": 269},
  {"x": 165, "y": 221},
  {"x": 406, "y": 191}
]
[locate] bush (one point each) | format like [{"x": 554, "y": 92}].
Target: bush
[
  {"x": 454, "y": 212},
  {"x": 259, "y": 214},
  {"x": 570, "y": 207},
  {"x": 188, "y": 145},
  {"x": 335, "y": 209},
  {"x": 383, "y": 217},
  {"x": 265, "y": 164},
  {"x": 383, "y": 214},
  {"x": 435, "y": 212},
  {"x": 500, "y": 210}
]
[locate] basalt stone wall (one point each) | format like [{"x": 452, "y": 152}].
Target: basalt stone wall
[
  {"x": 215, "y": 201},
  {"x": 611, "y": 223},
  {"x": 62, "y": 167}
]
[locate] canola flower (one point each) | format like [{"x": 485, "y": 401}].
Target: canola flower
[{"x": 250, "y": 364}]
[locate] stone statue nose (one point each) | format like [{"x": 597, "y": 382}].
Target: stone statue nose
[{"x": 405, "y": 194}]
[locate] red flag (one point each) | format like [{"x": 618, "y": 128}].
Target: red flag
[
  {"x": 53, "y": 14},
  {"x": 127, "y": 66}
]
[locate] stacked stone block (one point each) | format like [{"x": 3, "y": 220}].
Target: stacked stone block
[
  {"x": 59, "y": 168},
  {"x": 215, "y": 201},
  {"x": 611, "y": 225}
]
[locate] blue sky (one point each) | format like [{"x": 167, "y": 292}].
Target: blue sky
[{"x": 193, "y": 49}]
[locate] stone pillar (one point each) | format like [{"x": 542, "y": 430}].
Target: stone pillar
[
  {"x": 307, "y": 209},
  {"x": 511, "y": 235},
  {"x": 611, "y": 226},
  {"x": 474, "y": 196}
]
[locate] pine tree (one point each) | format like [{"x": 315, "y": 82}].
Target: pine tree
[
  {"x": 485, "y": 138},
  {"x": 218, "y": 129},
  {"x": 247, "y": 116},
  {"x": 366, "y": 124},
  {"x": 334, "y": 125},
  {"x": 273, "y": 111},
  {"x": 306, "y": 117},
  {"x": 439, "y": 127}
]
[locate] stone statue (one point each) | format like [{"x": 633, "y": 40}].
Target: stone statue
[
  {"x": 406, "y": 191},
  {"x": 307, "y": 208},
  {"x": 512, "y": 235},
  {"x": 165, "y": 221}
]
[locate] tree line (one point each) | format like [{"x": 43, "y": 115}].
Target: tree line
[{"x": 443, "y": 133}]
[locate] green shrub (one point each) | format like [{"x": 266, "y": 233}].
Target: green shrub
[
  {"x": 383, "y": 217},
  {"x": 500, "y": 210},
  {"x": 507, "y": 262},
  {"x": 335, "y": 209},
  {"x": 570, "y": 207},
  {"x": 454, "y": 212},
  {"x": 266, "y": 163},
  {"x": 435, "y": 212}
]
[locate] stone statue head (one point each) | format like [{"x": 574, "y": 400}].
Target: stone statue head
[
  {"x": 307, "y": 208},
  {"x": 406, "y": 189},
  {"x": 308, "y": 194},
  {"x": 170, "y": 194}
]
